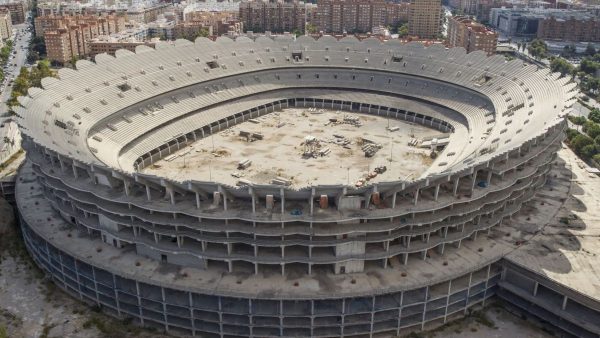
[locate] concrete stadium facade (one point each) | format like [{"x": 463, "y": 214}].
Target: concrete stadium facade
[{"x": 240, "y": 260}]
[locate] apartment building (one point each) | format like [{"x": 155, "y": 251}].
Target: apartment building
[
  {"x": 147, "y": 14},
  {"x": 573, "y": 29},
  {"x": 5, "y": 24},
  {"x": 358, "y": 16},
  {"x": 67, "y": 37},
  {"x": 274, "y": 16},
  {"x": 472, "y": 36},
  {"x": 17, "y": 11},
  {"x": 110, "y": 45},
  {"x": 190, "y": 30},
  {"x": 59, "y": 44},
  {"x": 98, "y": 25},
  {"x": 425, "y": 18},
  {"x": 221, "y": 22}
]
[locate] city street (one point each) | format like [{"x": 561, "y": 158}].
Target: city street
[
  {"x": 21, "y": 43},
  {"x": 21, "y": 37}
]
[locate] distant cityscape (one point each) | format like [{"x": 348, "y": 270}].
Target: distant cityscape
[{"x": 77, "y": 30}]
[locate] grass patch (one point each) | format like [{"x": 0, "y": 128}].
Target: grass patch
[
  {"x": 111, "y": 327},
  {"x": 46, "y": 330},
  {"x": 3, "y": 331},
  {"x": 483, "y": 319}
]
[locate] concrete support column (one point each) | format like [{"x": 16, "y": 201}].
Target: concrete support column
[
  {"x": 474, "y": 178},
  {"x": 535, "y": 288},
  {"x": 468, "y": 292},
  {"x": 148, "y": 193},
  {"x": 224, "y": 198},
  {"x": 489, "y": 177},
  {"x": 394, "y": 200},
  {"x": 440, "y": 248},
  {"x": 455, "y": 189},
  {"x": 139, "y": 301},
  {"x": 564, "y": 303},
  {"x": 282, "y": 194},
  {"x": 75, "y": 171},
  {"x": 126, "y": 186},
  {"x": 62, "y": 164},
  {"x": 416, "y": 196},
  {"x": 425, "y": 308},
  {"x": 197, "y": 200},
  {"x": 437, "y": 192},
  {"x": 251, "y": 192},
  {"x": 312, "y": 201},
  {"x": 447, "y": 300}
]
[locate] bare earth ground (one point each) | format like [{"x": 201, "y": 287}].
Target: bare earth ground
[
  {"x": 32, "y": 306},
  {"x": 492, "y": 322},
  {"x": 279, "y": 153}
]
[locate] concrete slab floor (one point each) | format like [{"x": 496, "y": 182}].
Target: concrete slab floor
[
  {"x": 567, "y": 249},
  {"x": 280, "y": 152}
]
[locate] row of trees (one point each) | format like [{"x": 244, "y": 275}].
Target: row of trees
[
  {"x": 587, "y": 73},
  {"x": 37, "y": 49},
  {"x": 4, "y": 55},
  {"x": 27, "y": 79},
  {"x": 586, "y": 144},
  {"x": 537, "y": 48}
]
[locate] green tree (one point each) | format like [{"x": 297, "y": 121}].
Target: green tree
[
  {"x": 571, "y": 133},
  {"x": 590, "y": 49},
  {"x": 594, "y": 115},
  {"x": 40, "y": 71},
  {"x": 577, "y": 120},
  {"x": 538, "y": 49},
  {"x": 203, "y": 33},
  {"x": 579, "y": 142},
  {"x": 588, "y": 151},
  {"x": 562, "y": 66},
  {"x": 589, "y": 66},
  {"x": 591, "y": 128},
  {"x": 311, "y": 29},
  {"x": 403, "y": 30}
]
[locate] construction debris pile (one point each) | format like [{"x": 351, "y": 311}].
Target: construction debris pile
[
  {"x": 250, "y": 136},
  {"x": 370, "y": 148},
  {"x": 347, "y": 119},
  {"x": 312, "y": 148},
  {"x": 370, "y": 175}
]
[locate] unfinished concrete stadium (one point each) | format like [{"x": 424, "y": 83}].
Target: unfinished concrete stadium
[{"x": 294, "y": 187}]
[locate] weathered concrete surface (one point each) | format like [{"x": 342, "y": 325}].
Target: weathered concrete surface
[
  {"x": 7, "y": 217},
  {"x": 566, "y": 250},
  {"x": 492, "y": 322}
]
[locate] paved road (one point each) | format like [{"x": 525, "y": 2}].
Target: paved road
[
  {"x": 20, "y": 39},
  {"x": 21, "y": 42}
]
